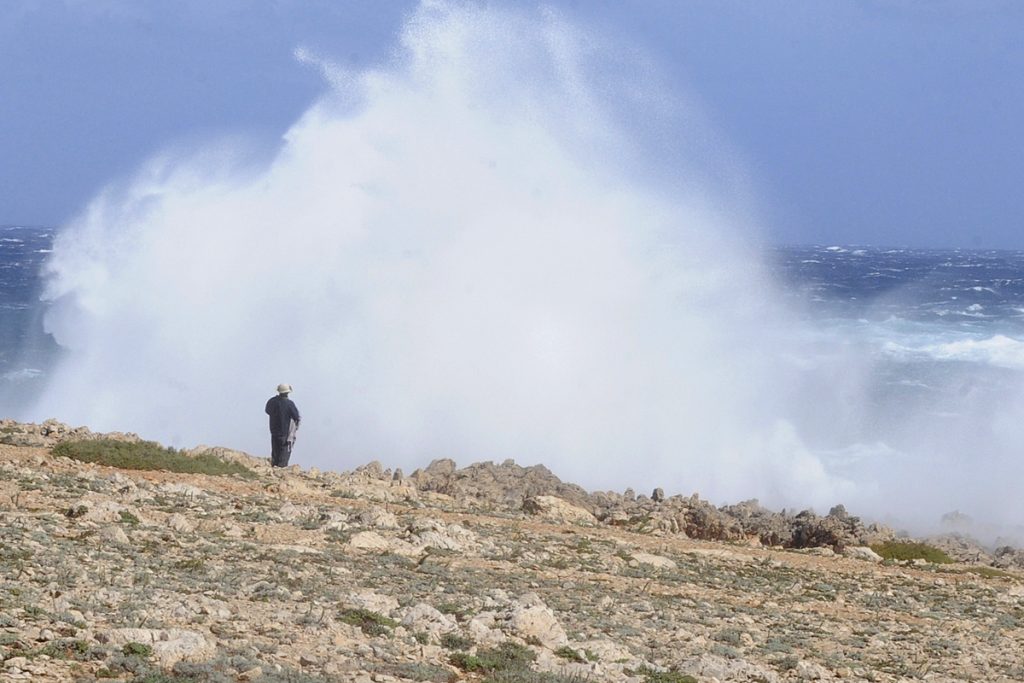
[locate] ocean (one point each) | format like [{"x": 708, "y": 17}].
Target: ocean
[
  {"x": 939, "y": 323},
  {"x": 26, "y": 351}
]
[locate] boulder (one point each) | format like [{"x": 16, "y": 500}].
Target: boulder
[
  {"x": 424, "y": 618},
  {"x": 656, "y": 561},
  {"x": 368, "y": 540},
  {"x": 862, "y": 552},
  {"x": 557, "y": 510},
  {"x": 536, "y": 623}
]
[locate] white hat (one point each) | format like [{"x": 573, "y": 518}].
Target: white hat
[{"x": 284, "y": 388}]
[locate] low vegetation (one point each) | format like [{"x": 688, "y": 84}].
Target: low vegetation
[
  {"x": 147, "y": 455},
  {"x": 370, "y": 623},
  {"x": 905, "y": 551},
  {"x": 505, "y": 658}
]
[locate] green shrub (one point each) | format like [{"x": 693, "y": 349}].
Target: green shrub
[
  {"x": 671, "y": 676},
  {"x": 505, "y": 657},
  {"x": 193, "y": 563},
  {"x": 566, "y": 652},
  {"x": 128, "y": 518},
  {"x": 67, "y": 649},
  {"x": 137, "y": 649},
  {"x": 909, "y": 550},
  {"x": 990, "y": 572},
  {"x": 147, "y": 455},
  {"x": 453, "y": 641},
  {"x": 370, "y": 623}
]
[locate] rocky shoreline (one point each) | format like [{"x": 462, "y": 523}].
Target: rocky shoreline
[{"x": 374, "y": 575}]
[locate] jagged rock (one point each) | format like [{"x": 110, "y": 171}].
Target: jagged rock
[
  {"x": 379, "y": 518},
  {"x": 50, "y": 433},
  {"x": 536, "y": 623},
  {"x": 487, "y": 484},
  {"x": 1008, "y": 557},
  {"x": 557, "y": 510},
  {"x": 374, "y": 470},
  {"x": 433, "y": 533},
  {"x": 962, "y": 548}
]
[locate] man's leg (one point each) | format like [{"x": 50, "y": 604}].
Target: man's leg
[
  {"x": 286, "y": 451},
  {"x": 275, "y": 451}
]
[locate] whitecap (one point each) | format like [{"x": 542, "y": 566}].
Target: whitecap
[
  {"x": 22, "y": 374},
  {"x": 998, "y": 350}
]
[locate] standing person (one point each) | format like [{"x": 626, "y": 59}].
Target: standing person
[{"x": 284, "y": 423}]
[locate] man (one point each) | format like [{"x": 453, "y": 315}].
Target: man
[{"x": 284, "y": 422}]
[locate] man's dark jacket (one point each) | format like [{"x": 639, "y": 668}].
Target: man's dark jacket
[{"x": 281, "y": 411}]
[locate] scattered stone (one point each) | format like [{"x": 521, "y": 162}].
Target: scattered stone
[
  {"x": 859, "y": 552},
  {"x": 115, "y": 535}
]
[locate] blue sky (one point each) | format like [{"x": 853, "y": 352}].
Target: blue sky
[{"x": 890, "y": 123}]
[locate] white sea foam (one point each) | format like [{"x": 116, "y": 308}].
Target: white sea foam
[
  {"x": 22, "y": 374},
  {"x": 998, "y": 350}
]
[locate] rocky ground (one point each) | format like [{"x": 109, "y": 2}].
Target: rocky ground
[{"x": 492, "y": 572}]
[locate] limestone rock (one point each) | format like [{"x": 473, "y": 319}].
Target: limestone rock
[
  {"x": 368, "y": 540},
  {"x": 656, "y": 561},
  {"x": 862, "y": 552},
  {"x": 432, "y": 533},
  {"x": 536, "y": 623},
  {"x": 426, "y": 619},
  {"x": 180, "y": 523},
  {"x": 379, "y": 518},
  {"x": 115, "y": 535},
  {"x": 557, "y": 510}
]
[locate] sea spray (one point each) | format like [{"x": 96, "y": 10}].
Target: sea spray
[{"x": 462, "y": 254}]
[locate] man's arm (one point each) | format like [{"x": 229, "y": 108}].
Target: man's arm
[{"x": 295, "y": 413}]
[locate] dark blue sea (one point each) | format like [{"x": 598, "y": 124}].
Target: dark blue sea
[{"x": 26, "y": 351}]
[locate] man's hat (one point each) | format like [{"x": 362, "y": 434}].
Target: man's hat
[{"x": 284, "y": 388}]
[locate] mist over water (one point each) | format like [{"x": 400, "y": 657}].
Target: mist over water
[{"x": 463, "y": 254}]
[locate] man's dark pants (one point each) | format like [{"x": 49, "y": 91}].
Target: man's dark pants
[{"x": 280, "y": 451}]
